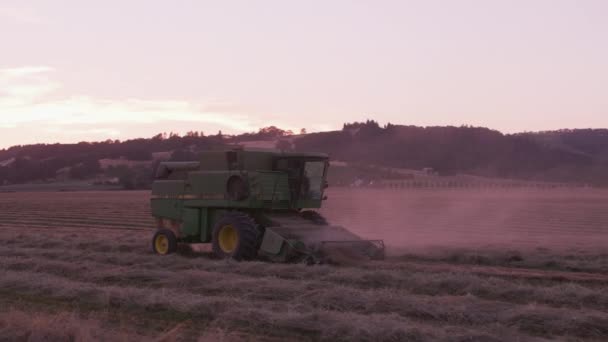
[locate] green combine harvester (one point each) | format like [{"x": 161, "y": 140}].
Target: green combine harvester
[{"x": 252, "y": 204}]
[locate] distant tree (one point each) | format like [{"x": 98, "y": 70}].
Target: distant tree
[
  {"x": 192, "y": 134},
  {"x": 272, "y": 132},
  {"x": 303, "y": 131}
]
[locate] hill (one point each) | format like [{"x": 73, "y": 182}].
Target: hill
[
  {"x": 364, "y": 149},
  {"x": 579, "y": 156}
]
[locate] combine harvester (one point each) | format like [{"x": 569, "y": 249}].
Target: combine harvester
[{"x": 252, "y": 204}]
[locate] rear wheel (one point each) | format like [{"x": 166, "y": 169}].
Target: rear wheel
[
  {"x": 164, "y": 242},
  {"x": 235, "y": 236}
]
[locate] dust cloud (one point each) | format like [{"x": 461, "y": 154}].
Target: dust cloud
[{"x": 408, "y": 219}]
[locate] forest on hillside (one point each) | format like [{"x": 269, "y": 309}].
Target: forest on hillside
[{"x": 578, "y": 156}]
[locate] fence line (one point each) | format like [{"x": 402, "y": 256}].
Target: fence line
[{"x": 470, "y": 185}]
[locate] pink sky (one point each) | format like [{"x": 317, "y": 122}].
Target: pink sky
[{"x": 83, "y": 70}]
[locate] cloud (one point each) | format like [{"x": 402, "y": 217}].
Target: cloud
[
  {"x": 30, "y": 99},
  {"x": 25, "y": 84},
  {"x": 7, "y": 125},
  {"x": 24, "y": 15},
  {"x": 87, "y": 110},
  {"x": 25, "y": 71},
  {"x": 110, "y": 132}
]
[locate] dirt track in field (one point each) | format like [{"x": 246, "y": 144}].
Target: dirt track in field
[{"x": 80, "y": 265}]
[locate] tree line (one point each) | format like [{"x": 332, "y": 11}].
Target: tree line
[
  {"x": 562, "y": 156},
  {"x": 579, "y": 156}
]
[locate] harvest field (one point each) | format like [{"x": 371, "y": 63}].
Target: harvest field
[{"x": 463, "y": 265}]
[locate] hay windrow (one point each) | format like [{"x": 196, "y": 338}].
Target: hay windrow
[{"x": 79, "y": 268}]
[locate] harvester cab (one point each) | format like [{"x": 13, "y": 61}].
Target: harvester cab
[{"x": 252, "y": 204}]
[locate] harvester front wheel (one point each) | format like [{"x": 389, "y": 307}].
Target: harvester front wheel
[
  {"x": 164, "y": 242},
  {"x": 235, "y": 236}
]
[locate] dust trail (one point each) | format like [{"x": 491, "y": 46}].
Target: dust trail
[{"x": 418, "y": 219}]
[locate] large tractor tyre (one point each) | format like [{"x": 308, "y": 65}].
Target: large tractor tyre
[
  {"x": 236, "y": 236},
  {"x": 164, "y": 242}
]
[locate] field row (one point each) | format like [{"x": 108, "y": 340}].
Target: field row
[
  {"x": 101, "y": 272},
  {"x": 460, "y": 268}
]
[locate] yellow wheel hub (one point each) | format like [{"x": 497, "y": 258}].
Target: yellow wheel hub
[
  {"x": 228, "y": 238},
  {"x": 161, "y": 243}
]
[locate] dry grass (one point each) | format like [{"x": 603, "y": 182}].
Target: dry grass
[
  {"x": 62, "y": 281},
  {"x": 59, "y": 326}
]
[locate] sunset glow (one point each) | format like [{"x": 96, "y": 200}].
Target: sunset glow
[{"x": 71, "y": 71}]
